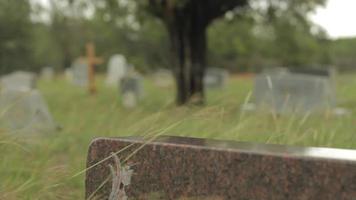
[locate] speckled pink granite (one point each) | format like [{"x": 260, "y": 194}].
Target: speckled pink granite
[{"x": 174, "y": 167}]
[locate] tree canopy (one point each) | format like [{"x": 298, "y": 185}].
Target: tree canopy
[{"x": 263, "y": 33}]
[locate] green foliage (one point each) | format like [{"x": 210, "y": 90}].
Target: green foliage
[
  {"x": 268, "y": 33},
  {"x": 343, "y": 53},
  {"x": 15, "y": 35}
]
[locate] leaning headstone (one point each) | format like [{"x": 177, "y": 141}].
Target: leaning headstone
[
  {"x": 290, "y": 92},
  {"x": 47, "y": 73},
  {"x": 215, "y": 78},
  {"x": 80, "y": 72},
  {"x": 19, "y": 80},
  {"x": 25, "y": 112},
  {"x": 163, "y": 78},
  {"x": 117, "y": 69},
  {"x": 187, "y": 168},
  {"x": 131, "y": 88}
]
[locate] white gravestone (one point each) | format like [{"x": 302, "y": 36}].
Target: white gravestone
[
  {"x": 19, "y": 81},
  {"x": 117, "y": 69},
  {"x": 25, "y": 112},
  {"x": 80, "y": 73}
]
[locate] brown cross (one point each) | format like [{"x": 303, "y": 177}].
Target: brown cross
[{"x": 92, "y": 61}]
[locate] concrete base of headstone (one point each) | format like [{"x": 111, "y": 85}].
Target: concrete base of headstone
[{"x": 187, "y": 168}]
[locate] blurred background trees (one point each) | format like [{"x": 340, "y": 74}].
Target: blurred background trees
[{"x": 267, "y": 33}]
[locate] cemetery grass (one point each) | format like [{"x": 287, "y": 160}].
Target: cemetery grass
[{"x": 52, "y": 166}]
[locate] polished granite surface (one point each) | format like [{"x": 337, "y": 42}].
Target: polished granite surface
[{"x": 176, "y": 167}]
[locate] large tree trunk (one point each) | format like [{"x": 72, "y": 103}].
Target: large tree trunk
[
  {"x": 187, "y": 22},
  {"x": 188, "y": 48}
]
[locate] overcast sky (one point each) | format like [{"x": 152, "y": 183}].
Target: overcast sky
[{"x": 337, "y": 18}]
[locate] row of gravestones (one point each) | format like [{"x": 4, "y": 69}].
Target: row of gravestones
[
  {"x": 282, "y": 90},
  {"x": 130, "y": 83}
]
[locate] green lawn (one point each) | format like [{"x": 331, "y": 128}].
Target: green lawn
[{"x": 42, "y": 167}]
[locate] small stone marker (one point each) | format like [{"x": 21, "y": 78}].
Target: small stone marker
[
  {"x": 286, "y": 92},
  {"x": 19, "y": 80},
  {"x": 131, "y": 88},
  {"x": 79, "y": 71},
  {"x": 25, "y": 112},
  {"x": 47, "y": 73},
  {"x": 182, "y": 168},
  {"x": 117, "y": 69},
  {"x": 215, "y": 78},
  {"x": 163, "y": 78},
  {"x": 68, "y": 74}
]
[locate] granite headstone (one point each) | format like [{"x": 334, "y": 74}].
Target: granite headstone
[{"x": 188, "y": 168}]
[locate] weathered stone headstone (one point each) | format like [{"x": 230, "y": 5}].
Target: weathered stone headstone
[
  {"x": 19, "y": 80},
  {"x": 47, "y": 73},
  {"x": 215, "y": 78},
  {"x": 68, "y": 73},
  {"x": 80, "y": 72},
  {"x": 117, "y": 69},
  {"x": 187, "y": 168},
  {"x": 131, "y": 88},
  {"x": 294, "y": 92},
  {"x": 25, "y": 112},
  {"x": 163, "y": 78}
]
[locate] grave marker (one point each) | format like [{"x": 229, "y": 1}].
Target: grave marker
[
  {"x": 131, "y": 89},
  {"x": 285, "y": 92},
  {"x": 117, "y": 69},
  {"x": 182, "y": 168},
  {"x": 92, "y": 61},
  {"x": 25, "y": 112},
  {"x": 79, "y": 72},
  {"x": 19, "y": 80},
  {"x": 68, "y": 74},
  {"x": 215, "y": 78},
  {"x": 47, "y": 73}
]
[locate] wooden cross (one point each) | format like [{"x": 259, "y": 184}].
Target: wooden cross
[{"x": 92, "y": 61}]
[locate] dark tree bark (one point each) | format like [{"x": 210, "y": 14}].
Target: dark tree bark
[{"x": 187, "y": 22}]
